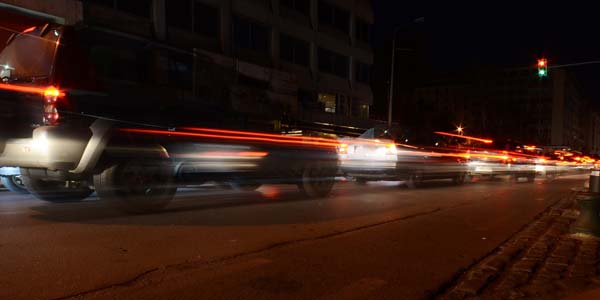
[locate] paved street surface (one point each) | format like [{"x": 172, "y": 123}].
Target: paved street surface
[
  {"x": 379, "y": 241},
  {"x": 550, "y": 259}
]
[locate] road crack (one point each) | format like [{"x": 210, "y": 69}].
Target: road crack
[{"x": 193, "y": 265}]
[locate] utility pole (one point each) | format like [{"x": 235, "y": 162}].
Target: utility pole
[
  {"x": 393, "y": 68},
  {"x": 391, "y": 93}
]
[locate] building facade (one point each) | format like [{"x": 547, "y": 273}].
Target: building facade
[
  {"x": 513, "y": 104},
  {"x": 303, "y": 60}
]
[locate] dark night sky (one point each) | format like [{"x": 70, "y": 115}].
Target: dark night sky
[{"x": 506, "y": 35}]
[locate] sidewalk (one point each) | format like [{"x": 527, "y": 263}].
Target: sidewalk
[{"x": 542, "y": 261}]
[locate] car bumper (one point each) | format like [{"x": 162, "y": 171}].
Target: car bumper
[{"x": 51, "y": 148}]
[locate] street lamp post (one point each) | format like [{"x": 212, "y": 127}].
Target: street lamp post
[
  {"x": 393, "y": 67},
  {"x": 391, "y": 93}
]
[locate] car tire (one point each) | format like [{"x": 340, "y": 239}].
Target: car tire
[
  {"x": 137, "y": 186},
  {"x": 14, "y": 183},
  {"x": 414, "y": 181},
  {"x": 361, "y": 181},
  {"x": 514, "y": 178},
  {"x": 317, "y": 179},
  {"x": 459, "y": 179},
  {"x": 54, "y": 191}
]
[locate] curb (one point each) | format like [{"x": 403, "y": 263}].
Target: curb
[{"x": 543, "y": 260}]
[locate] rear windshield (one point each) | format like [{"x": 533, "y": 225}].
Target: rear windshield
[
  {"x": 29, "y": 57},
  {"x": 377, "y": 133}
]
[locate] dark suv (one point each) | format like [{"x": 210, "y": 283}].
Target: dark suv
[{"x": 89, "y": 108}]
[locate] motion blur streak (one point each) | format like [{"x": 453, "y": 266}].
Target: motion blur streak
[
  {"x": 49, "y": 91},
  {"x": 487, "y": 141},
  {"x": 227, "y": 154},
  {"x": 256, "y": 134},
  {"x": 278, "y": 140}
]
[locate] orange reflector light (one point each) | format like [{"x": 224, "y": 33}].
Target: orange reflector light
[
  {"x": 30, "y": 29},
  {"x": 52, "y": 92},
  {"x": 343, "y": 149}
]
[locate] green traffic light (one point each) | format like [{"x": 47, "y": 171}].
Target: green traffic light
[{"x": 542, "y": 73}]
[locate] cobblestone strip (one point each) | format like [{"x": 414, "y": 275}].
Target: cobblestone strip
[{"x": 540, "y": 260}]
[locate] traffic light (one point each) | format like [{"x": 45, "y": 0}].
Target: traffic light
[{"x": 542, "y": 67}]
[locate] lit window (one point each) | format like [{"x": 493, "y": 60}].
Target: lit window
[{"x": 328, "y": 102}]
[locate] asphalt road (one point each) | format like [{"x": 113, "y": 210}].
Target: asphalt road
[{"x": 380, "y": 241}]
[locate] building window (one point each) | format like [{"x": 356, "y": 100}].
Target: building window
[
  {"x": 250, "y": 35},
  {"x": 194, "y": 16},
  {"x": 140, "y": 8},
  {"x": 363, "y": 31},
  {"x": 294, "y": 50},
  {"x": 363, "y": 72},
  {"x": 206, "y": 20},
  {"x": 333, "y": 16},
  {"x": 333, "y": 63},
  {"x": 360, "y": 110},
  {"x": 114, "y": 58},
  {"x": 180, "y": 71},
  {"x": 301, "y": 6},
  {"x": 327, "y": 102},
  {"x": 179, "y": 14}
]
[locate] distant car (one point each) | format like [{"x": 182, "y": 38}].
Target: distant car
[
  {"x": 501, "y": 163},
  {"x": 376, "y": 156}
]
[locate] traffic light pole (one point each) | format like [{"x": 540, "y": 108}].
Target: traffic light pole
[{"x": 576, "y": 64}]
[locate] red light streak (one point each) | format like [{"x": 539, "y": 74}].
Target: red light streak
[
  {"x": 48, "y": 91},
  {"x": 258, "y": 134},
  {"x": 243, "y": 154},
  {"x": 30, "y": 29},
  {"x": 487, "y": 141},
  {"x": 332, "y": 143}
]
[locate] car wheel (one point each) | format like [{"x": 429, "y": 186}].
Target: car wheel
[
  {"x": 414, "y": 181},
  {"x": 317, "y": 179},
  {"x": 361, "y": 181},
  {"x": 513, "y": 178},
  {"x": 459, "y": 179},
  {"x": 55, "y": 191},
  {"x": 137, "y": 186},
  {"x": 14, "y": 183}
]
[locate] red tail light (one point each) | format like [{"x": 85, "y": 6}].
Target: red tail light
[{"x": 51, "y": 95}]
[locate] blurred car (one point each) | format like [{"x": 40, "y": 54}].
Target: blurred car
[
  {"x": 375, "y": 155},
  {"x": 501, "y": 163},
  {"x": 71, "y": 126}
]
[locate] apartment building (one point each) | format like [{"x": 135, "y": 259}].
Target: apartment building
[
  {"x": 513, "y": 104},
  {"x": 305, "y": 62}
]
